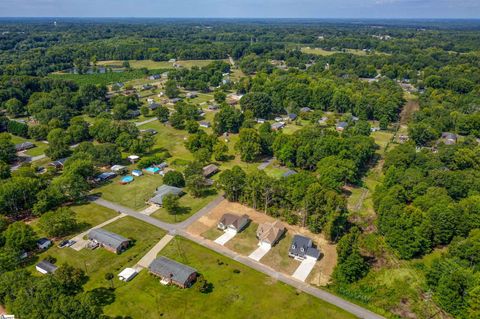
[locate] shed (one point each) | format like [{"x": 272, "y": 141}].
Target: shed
[
  {"x": 44, "y": 243},
  {"x": 233, "y": 222},
  {"x": 127, "y": 274},
  {"x": 58, "y": 164},
  {"x": 105, "y": 176},
  {"x": 119, "y": 169},
  {"x": 210, "y": 170},
  {"x": 277, "y": 126},
  {"x": 163, "y": 191},
  {"x": 289, "y": 173},
  {"x": 45, "y": 267},
  {"x": 205, "y": 124},
  {"x": 173, "y": 272},
  {"x": 341, "y": 126},
  {"x": 110, "y": 241},
  {"x": 133, "y": 158},
  {"x": 137, "y": 172}
]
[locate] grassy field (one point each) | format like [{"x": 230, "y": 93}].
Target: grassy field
[
  {"x": 102, "y": 78},
  {"x": 212, "y": 234},
  {"x": 244, "y": 293},
  {"x": 322, "y": 52},
  {"x": 154, "y": 65},
  {"x": 189, "y": 204},
  {"x": 133, "y": 195},
  {"x": 100, "y": 261},
  {"x": 244, "y": 242},
  {"x": 38, "y": 150},
  {"x": 278, "y": 259}
]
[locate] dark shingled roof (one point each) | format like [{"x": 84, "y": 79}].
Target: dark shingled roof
[
  {"x": 303, "y": 246},
  {"x": 107, "y": 238},
  {"x": 167, "y": 268},
  {"x": 163, "y": 191}
]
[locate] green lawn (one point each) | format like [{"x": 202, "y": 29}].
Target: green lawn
[
  {"x": 38, "y": 150},
  {"x": 133, "y": 195},
  {"x": 101, "y": 78},
  {"x": 244, "y": 242},
  {"x": 92, "y": 214},
  {"x": 100, "y": 261},
  {"x": 153, "y": 65},
  {"x": 212, "y": 234},
  {"x": 189, "y": 206},
  {"x": 246, "y": 294},
  {"x": 278, "y": 259}
]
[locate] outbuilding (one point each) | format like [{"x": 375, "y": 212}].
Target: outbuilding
[
  {"x": 127, "y": 274},
  {"x": 172, "y": 272},
  {"x": 44, "y": 243},
  {"x": 119, "y": 169},
  {"x": 45, "y": 267},
  {"x": 210, "y": 170}
]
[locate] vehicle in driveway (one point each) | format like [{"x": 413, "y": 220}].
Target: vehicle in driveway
[{"x": 66, "y": 243}]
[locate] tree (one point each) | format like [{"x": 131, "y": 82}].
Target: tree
[
  {"x": 17, "y": 128},
  {"x": 58, "y": 223},
  {"x": 196, "y": 184},
  {"x": 219, "y": 96},
  {"x": 144, "y": 110},
  {"x": 14, "y": 107},
  {"x": 232, "y": 181},
  {"x": 192, "y": 126},
  {"x": 228, "y": 119},
  {"x": 422, "y": 133},
  {"x": 162, "y": 113},
  {"x": 109, "y": 277},
  {"x": 259, "y": 103},
  {"x": 58, "y": 144},
  {"x": 20, "y": 236},
  {"x": 220, "y": 151},
  {"x": 171, "y": 89},
  {"x": 7, "y": 148},
  {"x": 70, "y": 279},
  {"x": 170, "y": 203},
  {"x": 249, "y": 145},
  {"x": 174, "y": 178}
]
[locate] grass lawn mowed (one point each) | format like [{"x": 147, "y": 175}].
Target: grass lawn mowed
[
  {"x": 153, "y": 65},
  {"x": 133, "y": 195},
  {"x": 244, "y": 242},
  {"x": 98, "y": 262},
  {"x": 38, "y": 150},
  {"x": 238, "y": 292},
  {"x": 189, "y": 206},
  {"x": 278, "y": 259}
]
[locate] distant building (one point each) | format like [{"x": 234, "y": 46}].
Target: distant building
[
  {"x": 172, "y": 272},
  {"x": 154, "y": 77},
  {"x": 213, "y": 107},
  {"x": 302, "y": 248},
  {"x": 449, "y": 138},
  {"x": 119, "y": 169},
  {"x": 292, "y": 116},
  {"x": 323, "y": 120},
  {"x": 289, "y": 173},
  {"x": 105, "y": 177},
  {"x": 260, "y": 121},
  {"x": 24, "y": 146},
  {"x": 153, "y": 106},
  {"x": 205, "y": 124},
  {"x": 44, "y": 243},
  {"x": 341, "y": 126},
  {"x": 210, "y": 170},
  {"x": 191, "y": 95},
  {"x": 58, "y": 164},
  {"x": 231, "y": 222},
  {"x": 108, "y": 240},
  {"x": 305, "y": 109},
  {"x": 277, "y": 126},
  {"x": 45, "y": 267}
]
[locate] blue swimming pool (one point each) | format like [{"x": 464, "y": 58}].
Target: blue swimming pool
[
  {"x": 127, "y": 179},
  {"x": 152, "y": 169}
]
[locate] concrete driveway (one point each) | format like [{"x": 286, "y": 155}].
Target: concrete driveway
[
  {"x": 260, "y": 252},
  {"x": 222, "y": 240},
  {"x": 304, "y": 269},
  {"x": 152, "y": 254}
]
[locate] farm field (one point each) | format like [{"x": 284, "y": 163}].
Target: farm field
[{"x": 238, "y": 292}]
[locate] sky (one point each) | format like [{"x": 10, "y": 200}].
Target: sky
[{"x": 243, "y": 8}]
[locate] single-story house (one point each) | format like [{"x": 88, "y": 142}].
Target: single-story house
[
  {"x": 173, "y": 272},
  {"x": 232, "y": 222},
  {"x": 105, "y": 177},
  {"x": 45, "y": 267},
  {"x": 44, "y": 243},
  {"x": 108, "y": 240},
  {"x": 210, "y": 170},
  {"x": 449, "y": 138},
  {"x": 289, "y": 173},
  {"x": 213, "y": 107},
  {"x": 341, "y": 126},
  {"x": 269, "y": 234},
  {"x": 163, "y": 191},
  {"x": 127, "y": 274},
  {"x": 137, "y": 172},
  {"x": 292, "y": 116},
  {"x": 191, "y": 95},
  {"x": 205, "y": 124},
  {"x": 24, "y": 146},
  {"x": 153, "y": 106},
  {"x": 119, "y": 169},
  {"x": 277, "y": 126},
  {"x": 154, "y": 77},
  {"x": 149, "y": 130},
  {"x": 305, "y": 109},
  {"x": 58, "y": 164},
  {"x": 302, "y": 248}
]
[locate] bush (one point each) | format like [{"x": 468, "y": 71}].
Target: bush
[{"x": 174, "y": 178}]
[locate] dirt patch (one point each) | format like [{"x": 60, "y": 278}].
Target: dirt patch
[
  {"x": 408, "y": 109},
  {"x": 322, "y": 271},
  {"x": 2, "y": 311}
]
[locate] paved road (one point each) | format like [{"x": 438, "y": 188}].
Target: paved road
[
  {"x": 146, "y": 121},
  {"x": 179, "y": 229}
]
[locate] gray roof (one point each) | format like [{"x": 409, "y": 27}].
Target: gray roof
[
  {"x": 342, "y": 124},
  {"x": 277, "y": 125},
  {"x": 448, "y": 135},
  {"x": 24, "y": 146},
  {"x": 107, "y": 238},
  {"x": 289, "y": 173},
  {"x": 305, "y": 109},
  {"x": 167, "y": 268},
  {"x": 47, "y": 266},
  {"x": 153, "y": 106},
  {"x": 300, "y": 245},
  {"x": 163, "y": 191},
  {"x": 292, "y": 116}
]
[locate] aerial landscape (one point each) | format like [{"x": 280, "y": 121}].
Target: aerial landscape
[{"x": 198, "y": 159}]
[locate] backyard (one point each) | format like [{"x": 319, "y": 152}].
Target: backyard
[{"x": 238, "y": 292}]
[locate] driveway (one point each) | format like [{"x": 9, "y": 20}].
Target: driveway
[
  {"x": 259, "y": 252},
  {"x": 152, "y": 254},
  {"x": 222, "y": 240},
  {"x": 304, "y": 269}
]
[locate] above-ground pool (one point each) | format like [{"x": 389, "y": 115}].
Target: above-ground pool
[
  {"x": 152, "y": 169},
  {"x": 127, "y": 179}
]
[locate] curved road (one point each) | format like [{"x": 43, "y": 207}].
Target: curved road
[{"x": 180, "y": 229}]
